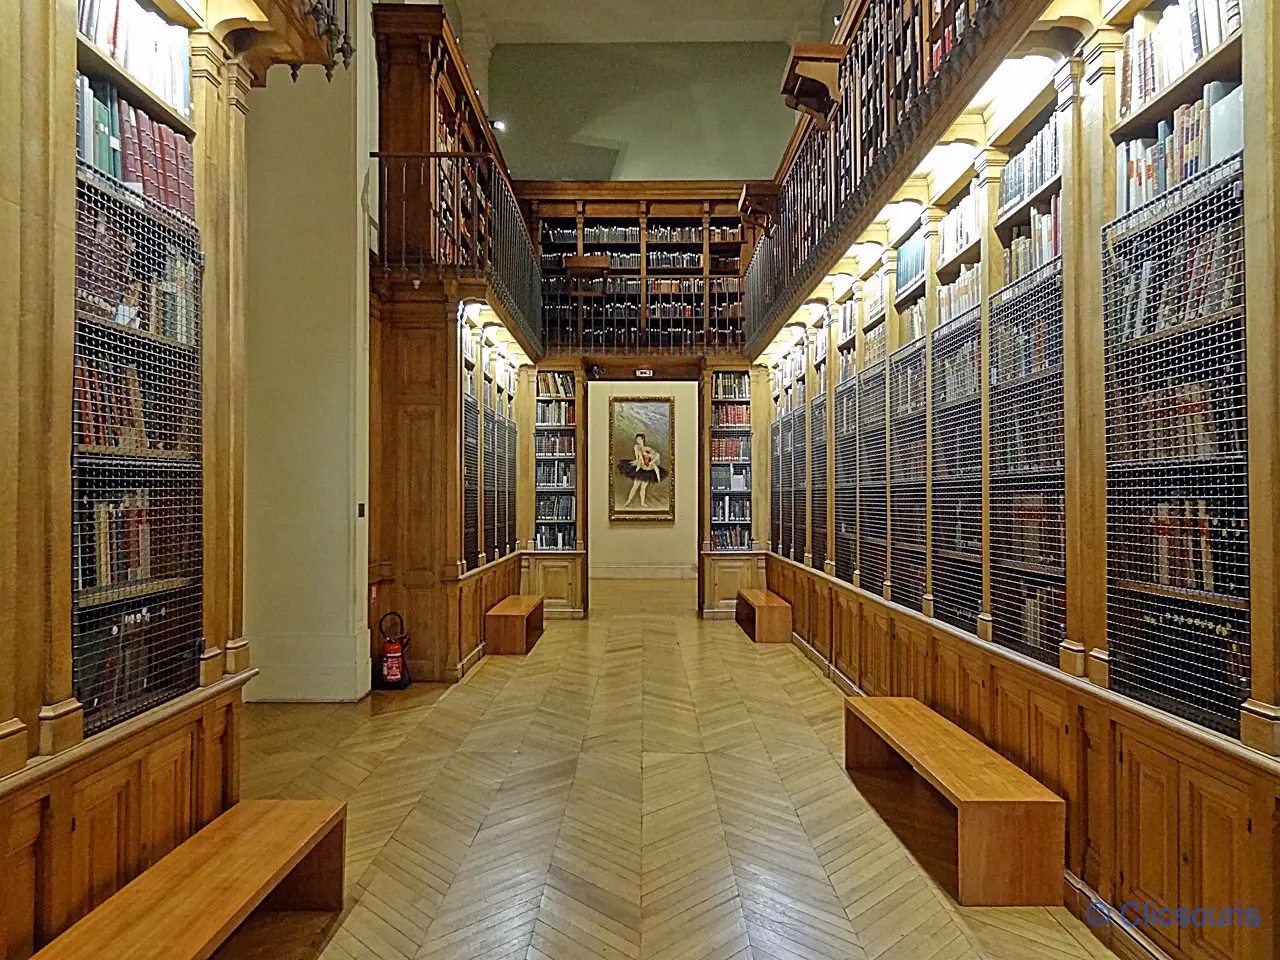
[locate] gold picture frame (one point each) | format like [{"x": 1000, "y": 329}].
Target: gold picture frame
[{"x": 635, "y": 496}]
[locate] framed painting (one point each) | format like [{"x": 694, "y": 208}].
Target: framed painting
[{"x": 642, "y": 459}]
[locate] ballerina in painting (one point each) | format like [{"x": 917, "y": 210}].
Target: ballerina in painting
[{"x": 642, "y": 469}]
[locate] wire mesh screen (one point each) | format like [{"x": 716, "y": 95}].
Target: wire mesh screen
[
  {"x": 846, "y": 479},
  {"x": 1028, "y": 525},
  {"x": 873, "y": 506},
  {"x": 956, "y": 471},
  {"x": 907, "y": 478},
  {"x": 136, "y": 479},
  {"x": 818, "y": 477},
  {"x": 491, "y": 469},
  {"x": 470, "y": 482},
  {"x": 788, "y": 484},
  {"x": 775, "y": 486},
  {"x": 500, "y": 484},
  {"x": 799, "y": 486},
  {"x": 1177, "y": 469}
]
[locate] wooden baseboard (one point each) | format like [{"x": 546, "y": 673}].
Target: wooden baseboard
[
  {"x": 1124, "y": 940},
  {"x": 564, "y": 614},
  {"x": 808, "y": 650},
  {"x": 718, "y": 614}
]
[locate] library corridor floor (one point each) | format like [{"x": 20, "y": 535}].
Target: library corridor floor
[{"x": 644, "y": 784}]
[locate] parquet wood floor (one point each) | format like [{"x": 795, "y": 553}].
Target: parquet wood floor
[{"x": 644, "y": 784}]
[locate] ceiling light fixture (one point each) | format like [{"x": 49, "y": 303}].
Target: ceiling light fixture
[{"x": 500, "y": 126}]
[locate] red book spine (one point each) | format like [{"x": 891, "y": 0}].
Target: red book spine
[
  {"x": 170, "y": 146},
  {"x": 186, "y": 176}
]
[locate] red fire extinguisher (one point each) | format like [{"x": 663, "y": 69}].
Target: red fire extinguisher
[{"x": 393, "y": 673}]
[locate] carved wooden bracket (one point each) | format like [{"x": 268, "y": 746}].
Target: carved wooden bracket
[
  {"x": 262, "y": 33},
  {"x": 758, "y": 203},
  {"x": 811, "y": 82}
]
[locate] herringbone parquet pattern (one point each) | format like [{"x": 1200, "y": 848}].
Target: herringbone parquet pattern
[{"x": 643, "y": 785}]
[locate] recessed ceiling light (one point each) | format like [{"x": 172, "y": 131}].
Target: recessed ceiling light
[
  {"x": 500, "y": 126},
  {"x": 836, "y": 19}
]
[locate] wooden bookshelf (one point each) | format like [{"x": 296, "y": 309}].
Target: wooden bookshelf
[
  {"x": 96, "y": 62},
  {"x": 1220, "y": 64}
]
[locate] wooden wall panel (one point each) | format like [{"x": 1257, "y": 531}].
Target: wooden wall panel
[
  {"x": 1215, "y": 827},
  {"x": 799, "y": 601},
  {"x": 167, "y": 807},
  {"x": 1011, "y": 732},
  {"x": 844, "y": 630},
  {"x": 105, "y": 835},
  {"x": 20, "y": 828},
  {"x": 912, "y": 661},
  {"x": 946, "y": 680},
  {"x": 877, "y": 633},
  {"x": 820, "y": 618},
  {"x": 1147, "y": 825}
]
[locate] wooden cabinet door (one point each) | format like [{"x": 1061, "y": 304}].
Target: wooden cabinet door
[
  {"x": 820, "y": 618},
  {"x": 946, "y": 680},
  {"x": 104, "y": 837},
  {"x": 1012, "y": 726},
  {"x": 844, "y": 633},
  {"x": 911, "y": 660},
  {"x": 877, "y": 677},
  {"x": 1215, "y": 828},
  {"x": 168, "y": 796},
  {"x": 557, "y": 581},
  {"x": 974, "y": 705},
  {"x": 1147, "y": 829}
]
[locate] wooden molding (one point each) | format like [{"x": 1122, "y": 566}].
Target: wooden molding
[{"x": 811, "y": 80}]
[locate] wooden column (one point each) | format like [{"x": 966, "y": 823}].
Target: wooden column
[
  {"x": 1260, "y": 716},
  {"x": 893, "y": 333},
  {"x": 1083, "y": 439},
  {"x": 989, "y": 164},
  {"x": 832, "y": 366},
  {"x": 526, "y": 401},
  {"x": 761, "y": 464},
  {"x": 209, "y": 95},
  {"x": 38, "y": 712},
  {"x": 931, "y": 224},
  {"x": 1089, "y": 182}
]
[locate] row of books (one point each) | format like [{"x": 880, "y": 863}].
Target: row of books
[
  {"x": 553, "y": 444},
  {"x": 666, "y": 233},
  {"x": 875, "y": 345},
  {"x": 848, "y": 363},
  {"x": 731, "y": 538},
  {"x": 1031, "y": 167},
  {"x": 730, "y": 448},
  {"x": 913, "y": 321},
  {"x": 674, "y": 260},
  {"x": 121, "y": 281},
  {"x": 1201, "y": 134},
  {"x": 113, "y": 540},
  {"x": 1026, "y": 440},
  {"x": 674, "y": 311},
  {"x": 557, "y": 413},
  {"x": 153, "y": 51},
  {"x": 1034, "y": 246},
  {"x": 960, "y": 295},
  {"x": 1225, "y": 638},
  {"x": 730, "y": 509},
  {"x": 555, "y": 538},
  {"x": 684, "y": 286},
  {"x": 730, "y": 386},
  {"x": 608, "y": 233},
  {"x": 1184, "y": 544},
  {"x": 555, "y": 383},
  {"x": 125, "y": 143},
  {"x": 554, "y": 473},
  {"x": 555, "y": 506},
  {"x": 1027, "y": 528},
  {"x": 1201, "y": 276},
  {"x": 873, "y": 296},
  {"x": 847, "y": 321},
  {"x": 552, "y": 234},
  {"x": 1023, "y": 347},
  {"x": 728, "y": 311},
  {"x": 959, "y": 228},
  {"x": 726, "y": 286},
  {"x": 1163, "y": 44},
  {"x": 720, "y": 234},
  {"x": 113, "y": 411},
  {"x": 956, "y": 374},
  {"x": 1039, "y": 611},
  {"x": 731, "y": 478},
  {"x": 617, "y": 286},
  {"x": 731, "y": 415},
  {"x": 911, "y": 260},
  {"x": 1176, "y": 421},
  {"x": 955, "y": 528},
  {"x": 908, "y": 395},
  {"x": 721, "y": 264}
]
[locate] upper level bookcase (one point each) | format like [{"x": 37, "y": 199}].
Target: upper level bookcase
[
  {"x": 624, "y": 272},
  {"x": 136, "y": 472}
]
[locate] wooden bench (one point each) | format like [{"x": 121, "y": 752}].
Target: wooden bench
[
  {"x": 1009, "y": 829},
  {"x": 281, "y": 854},
  {"x": 513, "y": 625},
  {"x": 765, "y": 617}
]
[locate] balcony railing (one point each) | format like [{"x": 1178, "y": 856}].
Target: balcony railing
[
  {"x": 901, "y": 63},
  {"x": 453, "y": 215}
]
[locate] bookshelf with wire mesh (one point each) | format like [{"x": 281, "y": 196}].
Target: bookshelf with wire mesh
[
  {"x": 873, "y": 506},
  {"x": 956, "y": 471},
  {"x": 775, "y": 486},
  {"x": 136, "y": 474},
  {"x": 729, "y": 456},
  {"x": 555, "y": 461},
  {"x": 907, "y": 478},
  {"x": 1178, "y": 589},
  {"x": 846, "y": 478},
  {"x": 787, "y": 487},
  {"x": 818, "y": 479},
  {"x": 491, "y": 468},
  {"x": 1028, "y": 522},
  {"x": 799, "y": 485}
]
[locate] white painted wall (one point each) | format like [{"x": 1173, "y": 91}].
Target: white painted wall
[
  {"x": 642, "y": 551},
  {"x": 306, "y": 431}
]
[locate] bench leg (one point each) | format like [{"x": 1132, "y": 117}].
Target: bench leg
[
  {"x": 1011, "y": 854},
  {"x": 316, "y": 883},
  {"x": 863, "y": 748}
]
